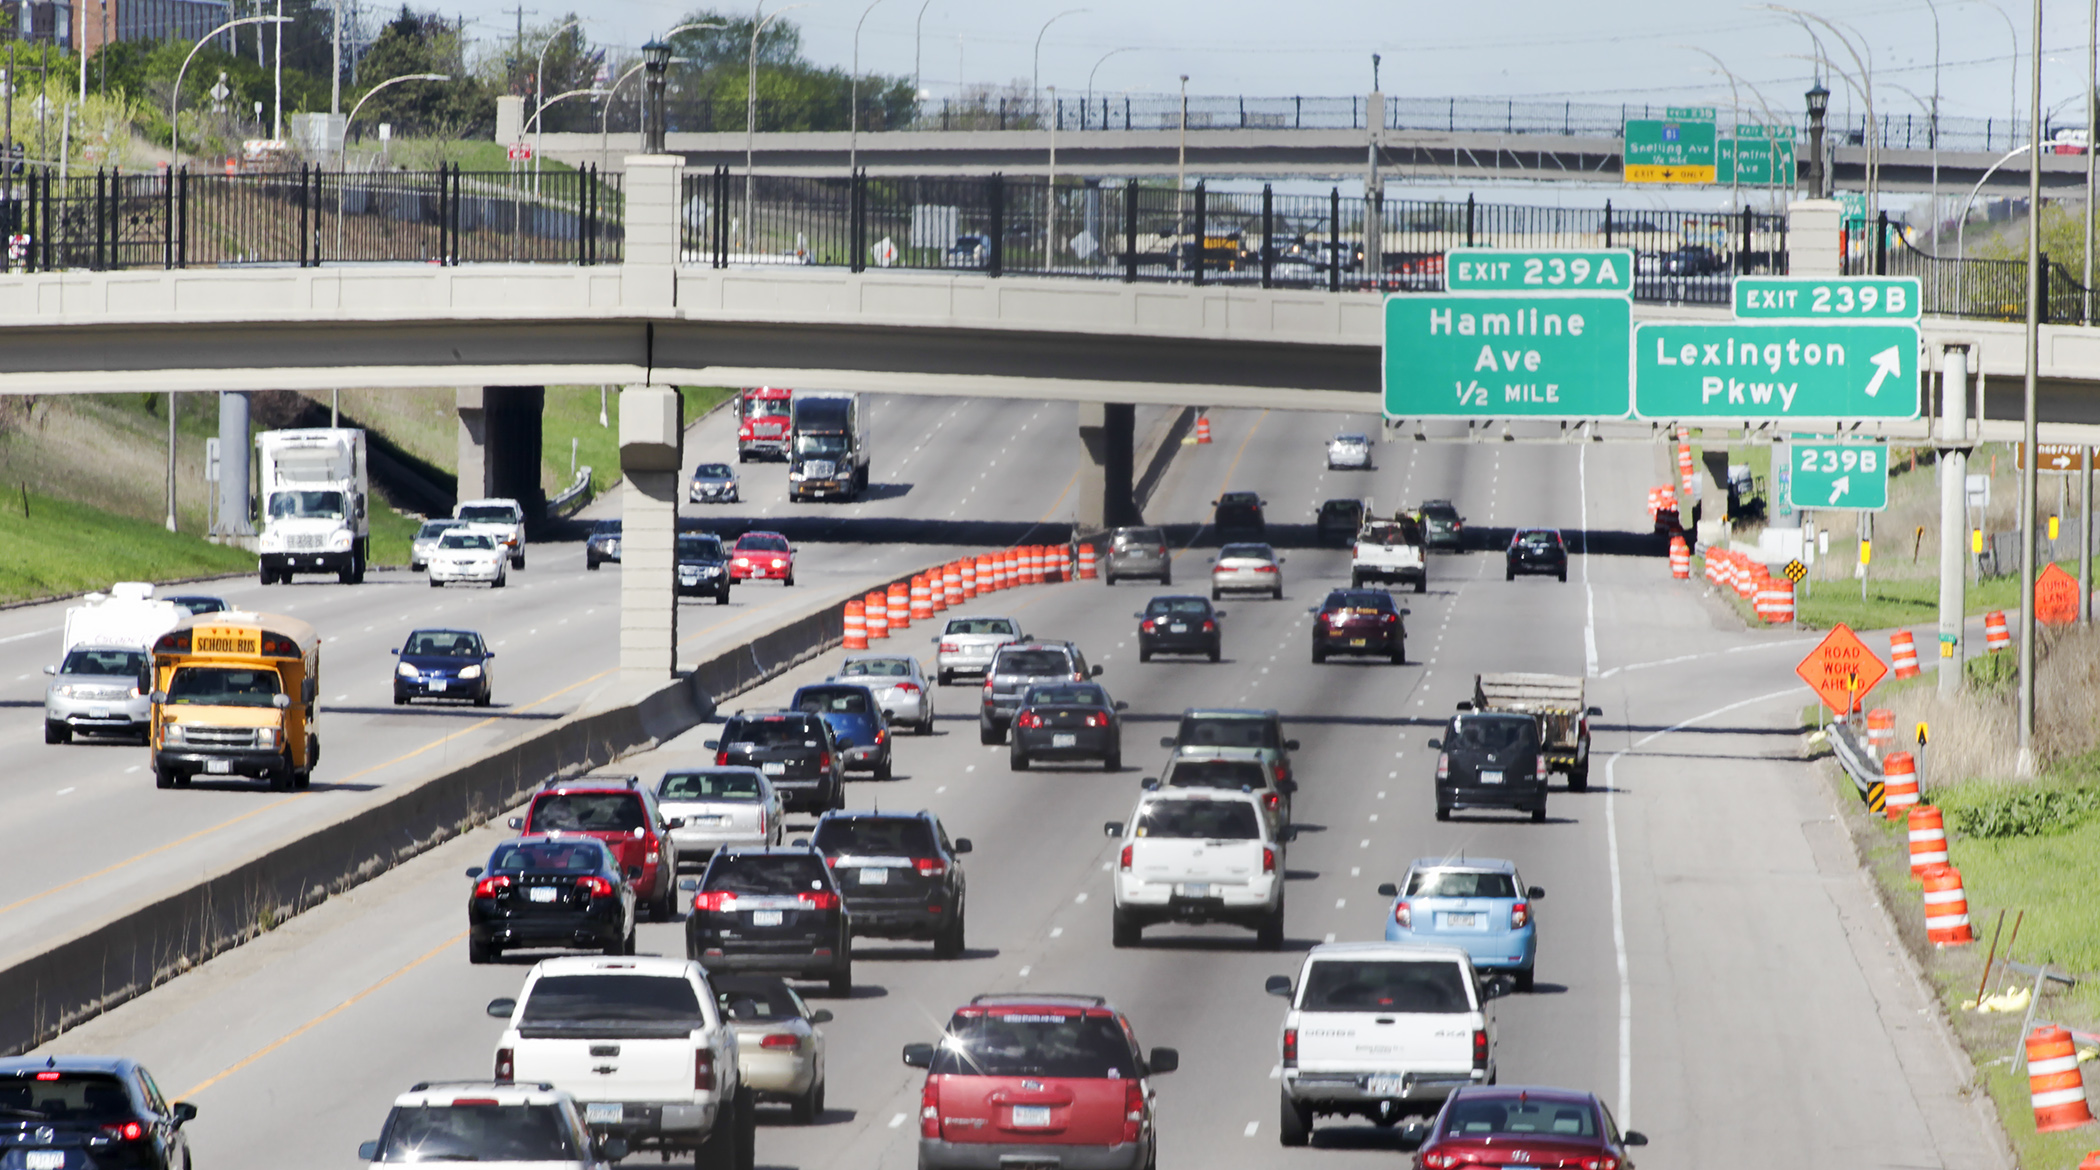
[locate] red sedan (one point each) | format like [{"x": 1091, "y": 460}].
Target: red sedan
[
  {"x": 762, "y": 556},
  {"x": 1511, "y": 1125}
]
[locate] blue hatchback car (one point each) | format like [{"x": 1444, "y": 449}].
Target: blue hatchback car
[
  {"x": 443, "y": 664},
  {"x": 1479, "y": 904},
  {"x": 857, "y": 720}
]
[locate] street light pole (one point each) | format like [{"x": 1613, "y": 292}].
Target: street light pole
[
  {"x": 539, "y": 91},
  {"x": 346, "y": 139},
  {"x": 1035, "y": 72},
  {"x": 853, "y": 101},
  {"x": 656, "y": 59},
  {"x": 918, "y": 41},
  {"x": 175, "y": 98},
  {"x": 1818, "y": 106},
  {"x": 605, "y": 115},
  {"x": 1096, "y": 69},
  {"x": 751, "y": 119},
  {"x": 1181, "y": 149},
  {"x": 2092, "y": 131},
  {"x": 2024, "y": 763}
]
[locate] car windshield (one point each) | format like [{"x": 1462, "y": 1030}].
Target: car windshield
[
  {"x": 711, "y": 471},
  {"x": 806, "y": 444},
  {"x": 223, "y": 686},
  {"x": 1492, "y": 733},
  {"x": 877, "y": 836},
  {"x": 1246, "y": 552},
  {"x": 1539, "y": 539},
  {"x": 738, "y": 784},
  {"x": 1358, "y": 599},
  {"x": 772, "y": 733},
  {"x": 1216, "y": 774},
  {"x": 199, "y": 604},
  {"x": 1391, "y": 532},
  {"x": 762, "y": 543},
  {"x": 131, "y": 663},
  {"x": 704, "y": 548},
  {"x": 1068, "y": 696},
  {"x": 1341, "y": 508},
  {"x": 444, "y": 643},
  {"x": 433, "y": 529},
  {"x": 1194, "y": 607},
  {"x": 1385, "y": 985},
  {"x": 587, "y": 812},
  {"x": 488, "y": 514},
  {"x": 755, "y": 407},
  {"x": 1439, "y": 512},
  {"x": 478, "y": 1133},
  {"x": 1036, "y": 1043},
  {"x": 1003, "y": 626},
  {"x": 467, "y": 540},
  {"x": 877, "y": 668},
  {"x": 1214, "y": 820},
  {"x": 1140, "y": 536},
  {"x": 559, "y": 999},
  {"x": 606, "y": 528},
  {"x": 568, "y": 856},
  {"x": 306, "y": 505},
  {"x": 760, "y": 874},
  {"x": 1033, "y": 663},
  {"x": 765, "y": 997},
  {"x": 1481, "y": 1117},
  {"x": 1353, "y": 440},
  {"x": 67, "y": 1096},
  {"x": 1227, "y": 731},
  {"x": 832, "y": 700},
  {"x": 1460, "y": 883}
]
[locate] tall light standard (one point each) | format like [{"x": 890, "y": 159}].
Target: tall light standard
[
  {"x": 1181, "y": 149},
  {"x": 539, "y": 90},
  {"x": 751, "y": 117},
  {"x": 605, "y": 115},
  {"x": 918, "y": 41},
  {"x": 2023, "y": 764},
  {"x": 1096, "y": 69},
  {"x": 1865, "y": 88},
  {"x": 853, "y": 101},
  {"x": 2012, "y": 80},
  {"x": 175, "y": 125},
  {"x": 2092, "y": 132},
  {"x": 656, "y": 59},
  {"x": 360, "y": 105},
  {"x": 1035, "y": 71}
]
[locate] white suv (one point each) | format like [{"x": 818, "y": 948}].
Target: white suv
[
  {"x": 1379, "y": 1030},
  {"x": 503, "y": 518},
  {"x": 1199, "y": 855},
  {"x": 490, "y": 1124}
]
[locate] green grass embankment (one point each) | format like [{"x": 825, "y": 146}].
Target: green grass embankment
[{"x": 63, "y": 547}]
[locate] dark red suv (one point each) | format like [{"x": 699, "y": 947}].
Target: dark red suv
[
  {"x": 620, "y": 812},
  {"x": 1359, "y": 621},
  {"x": 1052, "y": 1080}
]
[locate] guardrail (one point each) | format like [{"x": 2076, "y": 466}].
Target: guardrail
[{"x": 578, "y": 493}]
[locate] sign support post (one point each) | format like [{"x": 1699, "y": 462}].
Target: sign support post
[{"x": 1954, "y": 514}]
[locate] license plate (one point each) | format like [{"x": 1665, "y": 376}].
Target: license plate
[
  {"x": 56, "y": 1159},
  {"x": 540, "y": 893},
  {"x": 1193, "y": 889},
  {"x": 874, "y": 875},
  {"x": 1462, "y": 921},
  {"x": 1385, "y": 1086},
  {"x": 1178, "y": 628},
  {"x": 437, "y": 684},
  {"x": 98, "y": 712},
  {"x": 1491, "y": 777},
  {"x": 1358, "y": 641},
  {"x": 1064, "y": 739},
  {"x": 773, "y": 769},
  {"x": 765, "y": 917},
  {"x": 219, "y": 767},
  {"x": 604, "y": 1113},
  {"x": 1031, "y": 1116}
]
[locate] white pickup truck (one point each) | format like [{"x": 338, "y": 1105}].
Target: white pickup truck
[
  {"x": 1379, "y": 1030},
  {"x": 642, "y": 1044},
  {"x": 503, "y": 519},
  {"x": 1389, "y": 552},
  {"x": 1199, "y": 855}
]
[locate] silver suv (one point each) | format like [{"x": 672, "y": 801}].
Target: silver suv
[
  {"x": 491, "y": 1124},
  {"x": 98, "y": 689},
  {"x": 1138, "y": 552},
  {"x": 968, "y": 643},
  {"x": 1018, "y": 666}
]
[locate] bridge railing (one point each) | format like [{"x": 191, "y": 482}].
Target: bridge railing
[{"x": 1980, "y": 287}]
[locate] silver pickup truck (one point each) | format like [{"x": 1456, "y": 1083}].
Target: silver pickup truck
[{"x": 1389, "y": 552}]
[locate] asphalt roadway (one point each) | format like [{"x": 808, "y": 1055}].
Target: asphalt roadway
[{"x": 1711, "y": 962}]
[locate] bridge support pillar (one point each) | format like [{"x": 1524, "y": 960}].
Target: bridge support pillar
[
  {"x": 649, "y": 268},
  {"x": 1814, "y": 238},
  {"x": 652, "y": 446},
  {"x": 230, "y": 521},
  {"x": 1107, "y": 492},
  {"x": 499, "y": 446}
]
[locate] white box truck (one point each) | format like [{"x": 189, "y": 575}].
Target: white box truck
[
  {"x": 99, "y": 685},
  {"x": 315, "y": 494}
]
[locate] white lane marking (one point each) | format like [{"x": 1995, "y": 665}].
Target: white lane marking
[
  {"x": 1082, "y": 894},
  {"x": 1276, "y": 1071},
  {"x": 1056, "y": 931},
  {"x": 1389, "y": 776},
  {"x": 1251, "y": 1127},
  {"x": 1710, "y": 654},
  {"x": 342, "y": 698},
  {"x": 1589, "y": 624},
  {"x": 1356, "y": 871},
  {"x": 63, "y": 791},
  {"x": 1381, "y": 795},
  {"x": 1397, "y": 755},
  {"x": 1618, "y": 902},
  {"x": 970, "y": 768},
  {"x": 1330, "y": 936},
  {"x": 1364, "y": 844},
  {"x": 20, "y": 677},
  {"x": 941, "y": 789},
  {"x": 1374, "y": 818},
  {"x": 133, "y": 768},
  {"x": 30, "y": 634},
  {"x": 368, "y": 629},
  {"x": 1340, "y": 902},
  {"x": 897, "y": 1122},
  {"x": 1025, "y": 971}
]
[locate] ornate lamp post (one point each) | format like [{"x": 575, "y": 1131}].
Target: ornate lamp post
[
  {"x": 656, "y": 59},
  {"x": 1818, "y": 105}
]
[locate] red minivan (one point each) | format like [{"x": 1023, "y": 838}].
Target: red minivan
[
  {"x": 620, "y": 812},
  {"x": 1055, "y": 1080}
]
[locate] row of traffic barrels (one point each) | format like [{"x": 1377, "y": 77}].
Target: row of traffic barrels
[
  {"x": 925, "y": 594},
  {"x": 1772, "y": 598}
]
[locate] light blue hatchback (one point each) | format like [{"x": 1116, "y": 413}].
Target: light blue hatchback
[{"x": 1480, "y": 905}]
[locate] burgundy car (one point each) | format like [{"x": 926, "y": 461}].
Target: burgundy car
[
  {"x": 1359, "y": 621},
  {"x": 1511, "y": 1125},
  {"x": 620, "y": 812}
]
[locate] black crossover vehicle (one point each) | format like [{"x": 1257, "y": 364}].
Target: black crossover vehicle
[
  {"x": 1490, "y": 759},
  {"x": 1239, "y": 517},
  {"x": 1068, "y": 721},
  {"x": 703, "y": 567},
  {"x": 1017, "y": 666},
  {"x": 775, "y": 910},
  {"x": 1442, "y": 526},
  {"x": 1339, "y": 522},
  {"x": 550, "y": 892},
  {"x": 88, "y": 1113},
  {"x": 602, "y": 545},
  {"x": 794, "y": 749},
  {"x": 1537, "y": 550},
  {"x": 1179, "y": 625},
  {"x": 901, "y": 875}
]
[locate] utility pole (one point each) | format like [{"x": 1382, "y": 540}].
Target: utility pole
[
  {"x": 335, "y": 76},
  {"x": 2024, "y": 762},
  {"x": 277, "y": 82},
  {"x": 1954, "y": 513}
]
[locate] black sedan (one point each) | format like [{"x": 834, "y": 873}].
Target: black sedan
[
  {"x": 1359, "y": 621},
  {"x": 1490, "y": 759},
  {"x": 602, "y": 545},
  {"x": 900, "y": 874},
  {"x": 775, "y": 911},
  {"x": 88, "y": 1111},
  {"x": 703, "y": 567},
  {"x": 1239, "y": 516},
  {"x": 443, "y": 664},
  {"x": 1339, "y": 522},
  {"x": 550, "y": 892},
  {"x": 1068, "y": 721},
  {"x": 1179, "y": 625},
  {"x": 1536, "y": 551}
]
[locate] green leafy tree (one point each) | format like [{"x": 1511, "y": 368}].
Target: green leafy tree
[
  {"x": 422, "y": 43},
  {"x": 793, "y": 94}
]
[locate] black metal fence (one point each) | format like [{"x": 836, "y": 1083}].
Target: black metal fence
[
  {"x": 1970, "y": 286},
  {"x": 308, "y": 217}
]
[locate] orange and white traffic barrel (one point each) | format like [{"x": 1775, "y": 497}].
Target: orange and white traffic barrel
[
  {"x": 856, "y": 626},
  {"x": 1010, "y": 569},
  {"x": 1032, "y": 564},
  {"x": 1746, "y": 574},
  {"x": 2054, "y": 1085},
  {"x": 951, "y": 584},
  {"x": 1685, "y": 473},
  {"x": 1680, "y": 559},
  {"x": 1946, "y": 907},
  {"x": 966, "y": 577},
  {"x": 898, "y": 609},
  {"x": 1782, "y": 589},
  {"x": 989, "y": 577},
  {"x": 1996, "y": 636},
  {"x": 1881, "y": 731},
  {"x": 1203, "y": 429},
  {"x": 1928, "y": 839},
  {"x": 1899, "y": 783},
  {"x": 1903, "y": 652},
  {"x": 876, "y": 606},
  {"x": 1087, "y": 565},
  {"x": 921, "y": 599}
]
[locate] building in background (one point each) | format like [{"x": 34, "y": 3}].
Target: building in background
[{"x": 41, "y": 20}]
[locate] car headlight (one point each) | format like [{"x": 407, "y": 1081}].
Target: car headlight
[
  {"x": 340, "y": 542},
  {"x": 470, "y": 672},
  {"x": 174, "y": 733},
  {"x": 612, "y": 546},
  {"x": 798, "y": 476},
  {"x": 271, "y": 541},
  {"x": 266, "y": 737},
  {"x": 405, "y": 670}
]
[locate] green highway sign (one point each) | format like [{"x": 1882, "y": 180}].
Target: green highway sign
[
  {"x": 1591, "y": 270},
  {"x": 1757, "y": 130},
  {"x": 1773, "y": 369},
  {"x": 1829, "y": 298},
  {"x": 1759, "y": 162},
  {"x": 1475, "y": 356},
  {"x": 1840, "y": 475},
  {"x": 1670, "y": 151},
  {"x": 1689, "y": 113}
]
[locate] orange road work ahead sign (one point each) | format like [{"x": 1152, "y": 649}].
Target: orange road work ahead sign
[
  {"x": 2055, "y": 597},
  {"x": 1841, "y": 669}
]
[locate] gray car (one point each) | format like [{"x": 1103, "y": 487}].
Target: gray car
[
  {"x": 425, "y": 542},
  {"x": 899, "y": 685},
  {"x": 1138, "y": 552},
  {"x": 101, "y": 689},
  {"x": 968, "y": 643},
  {"x": 714, "y": 483},
  {"x": 1016, "y": 668},
  {"x": 1246, "y": 568},
  {"x": 1349, "y": 450}
]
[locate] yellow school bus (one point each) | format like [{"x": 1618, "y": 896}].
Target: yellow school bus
[{"x": 233, "y": 695}]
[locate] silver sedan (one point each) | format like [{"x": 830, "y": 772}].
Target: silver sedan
[
  {"x": 779, "y": 1052},
  {"x": 714, "y": 483},
  {"x": 899, "y": 684},
  {"x": 968, "y": 644},
  {"x": 1246, "y": 568},
  {"x": 1349, "y": 450},
  {"x": 711, "y": 808}
]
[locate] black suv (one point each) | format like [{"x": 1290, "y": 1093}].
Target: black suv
[
  {"x": 602, "y": 545},
  {"x": 1239, "y": 517},
  {"x": 703, "y": 567},
  {"x": 89, "y": 1111},
  {"x": 1339, "y": 522},
  {"x": 901, "y": 876},
  {"x": 1490, "y": 759},
  {"x": 775, "y": 910},
  {"x": 1442, "y": 526},
  {"x": 551, "y": 892},
  {"x": 793, "y": 749},
  {"x": 1536, "y": 550},
  {"x": 1186, "y": 624},
  {"x": 1018, "y": 666}
]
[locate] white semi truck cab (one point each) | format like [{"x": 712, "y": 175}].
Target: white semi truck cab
[{"x": 315, "y": 504}]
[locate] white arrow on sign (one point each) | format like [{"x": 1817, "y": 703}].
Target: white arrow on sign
[
  {"x": 1886, "y": 363},
  {"x": 1839, "y": 486}
]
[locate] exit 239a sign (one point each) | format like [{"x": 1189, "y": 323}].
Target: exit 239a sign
[{"x": 1539, "y": 356}]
